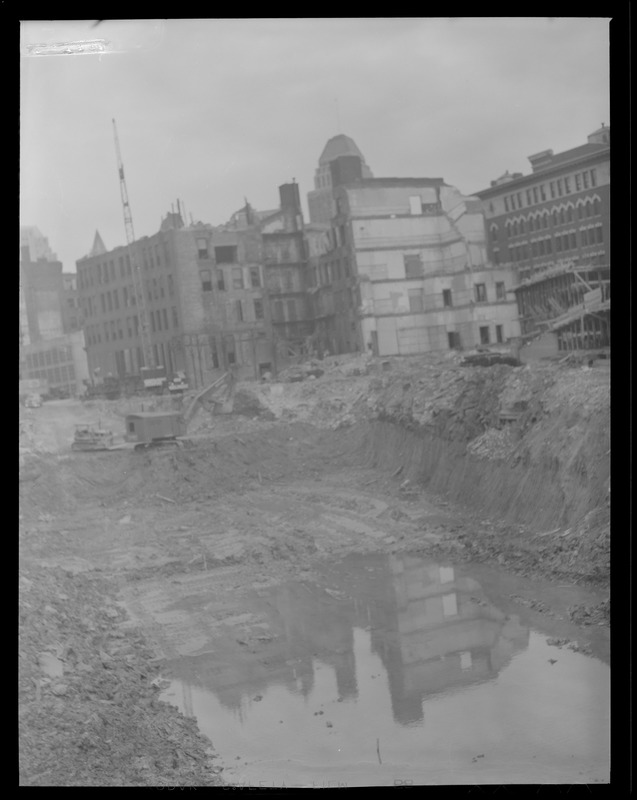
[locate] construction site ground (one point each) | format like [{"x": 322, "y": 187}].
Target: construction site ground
[{"x": 130, "y": 560}]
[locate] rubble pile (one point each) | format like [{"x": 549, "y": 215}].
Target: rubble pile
[
  {"x": 88, "y": 690},
  {"x": 494, "y": 444}
]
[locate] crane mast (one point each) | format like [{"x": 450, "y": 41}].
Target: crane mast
[{"x": 138, "y": 282}]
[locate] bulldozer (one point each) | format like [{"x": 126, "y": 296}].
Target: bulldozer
[{"x": 91, "y": 436}]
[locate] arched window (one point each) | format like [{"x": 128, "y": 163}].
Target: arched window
[
  {"x": 596, "y": 206},
  {"x": 554, "y": 215},
  {"x": 561, "y": 216}
]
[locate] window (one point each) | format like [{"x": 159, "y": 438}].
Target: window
[
  {"x": 206, "y": 280},
  {"x": 454, "y": 340},
  {"x": 278, "y": 311},
  {"x": 569, "y": 214},
  {"x": 202, "y": 249},
  {"x": 558, "y": 244},
  {"x": 552, "y": 189},
  {"x": 226, "y": 254},
  {"x": 542, "y": 193},
  {"x": 481, "y": 292},
  {"x": 499, "y": 335},
  {"x": 533, "y": 249},
  {"x": 573, "y": 239},
  {"x": 255, "y": 277},
  {"x": 528, "y": 197},
  {"x": 554, "y": 216},
  {"x": 559, "y": 187},
  {"x": 494, "y": 234},
  {"x": 513, "y": 205},
  {"x": 447, "y": 299},
  {"x": 116, "y": 299},
  {"x": 152, "y": 321},
  {"x": 519, "y": 196},
  {"x": 585, "y": 179},
  {"x": 291, "y": 310},
  {"x": 578, "y": 182},
  {"x": 593, "y": 175},
  {"x": 413, "y": 266},
  {"x": 540, "y": 246},
  {"x": 239, "y": 310},
  {"x": 596, "y": 206},
  {"x": 500, "y": 291},
  {"x": 484, "y": 334},
  {"x": 415, "y": 301},
  {"x": 237, "y": 278},
  {"x": 506, "y": 204},
  {"x": 221, "y": 284},
  {"x": 567, "y": 185},
  {"x": 171, "y": 286},
  {"x": 599, "y": 235},
  {"x": 536, "y": 199},
  {"x": 415, "y": 205},
  {"x": 549, "y": 247},
  {"x": 165, "y": 315},
  {"x": 175, "y": 318},
  {"x": 258, "y": 309}
]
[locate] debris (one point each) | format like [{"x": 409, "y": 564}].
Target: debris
[{"x": 166, "y": 499}]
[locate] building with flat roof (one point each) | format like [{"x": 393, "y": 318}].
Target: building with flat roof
[
  {"x": 552, "y": 227},
  {"x": 404, "y": 269}
]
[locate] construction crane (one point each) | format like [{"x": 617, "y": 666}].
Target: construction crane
[{"x": 138, "y": 283}]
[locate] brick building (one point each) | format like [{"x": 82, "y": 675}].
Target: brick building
[
  {"x": 553, "y": 227},
  {"x": 230, "y": 295}
]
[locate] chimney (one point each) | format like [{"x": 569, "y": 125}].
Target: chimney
[{"x": 290, "y": 199}]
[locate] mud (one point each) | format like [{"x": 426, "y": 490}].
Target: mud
[{"x": 260, "y": 567}]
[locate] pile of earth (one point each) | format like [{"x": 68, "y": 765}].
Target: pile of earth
[{"x": 88, "y": 706}]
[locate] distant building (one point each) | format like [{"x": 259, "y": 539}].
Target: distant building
[
  {"x": 71, "y": 311},
  {"x": 37, "y": 246},
  {"x": 404, "y": 269},
  {"x": 553, "y": 227},
  {"x": 60, "y": 361},
  {"x": 320, "y": 200},
  {"x": 216, "y": 296},
  {"x": 41, "y": 299}
]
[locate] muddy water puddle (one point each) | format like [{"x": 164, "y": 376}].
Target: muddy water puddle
[{"x": 391, "y": 669}]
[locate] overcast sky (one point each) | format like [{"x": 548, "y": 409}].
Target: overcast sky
[{"x": 212, "y": 111}]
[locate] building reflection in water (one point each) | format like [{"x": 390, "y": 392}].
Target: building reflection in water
[{"x": 431, "y": 626}]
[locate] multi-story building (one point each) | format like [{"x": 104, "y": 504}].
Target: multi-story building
[
  {"x": 553, "y": 227},
  {"x": 205, "y": 294},
  {"x": 561, "y": 210},
  {"x": 37, "y": 246},
  {"x": 321, "y": 200},
  {"x": 405, "y": 269},
  {"x": 41, "y": 288},
  {"x": 60, "y": 363}
]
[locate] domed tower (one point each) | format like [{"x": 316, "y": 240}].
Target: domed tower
[{"x": 320, "y": 199}]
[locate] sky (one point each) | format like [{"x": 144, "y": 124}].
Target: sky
[{"x": 214, "y": 111}]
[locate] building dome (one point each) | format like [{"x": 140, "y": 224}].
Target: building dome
[{"x": 340, "y": 145}]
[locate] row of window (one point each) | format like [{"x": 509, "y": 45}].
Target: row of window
[
  {"x": 558, "y": 244},
  {"x": 560, "y": 216},
  {"x": 49, "y": 357},
  {"x": 328, "y": 272},
  {"x": 558, "y": 188},
  {"x": 106, "y": 271},
  {"x": 110, "y": 301},
  {"x": 113, "y": 329},
  {"x": 237, "y": 278},
  {"x": 54, "y": 375}
]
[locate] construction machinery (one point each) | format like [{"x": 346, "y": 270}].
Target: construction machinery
[
  {"x": 160, "y": 428},
  {"x": 91, "y": 436}
]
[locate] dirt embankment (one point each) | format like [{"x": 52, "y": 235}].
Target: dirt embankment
[{"x": 523, "y": 446}]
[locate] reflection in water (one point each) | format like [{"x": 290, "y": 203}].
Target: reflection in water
[{"x": 432, "y": 628}]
